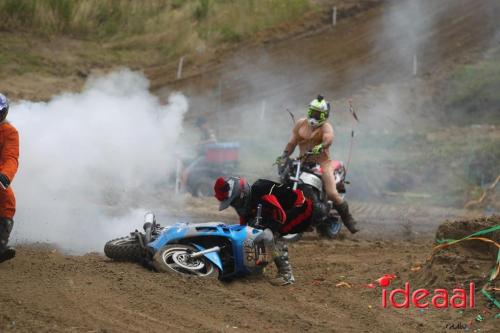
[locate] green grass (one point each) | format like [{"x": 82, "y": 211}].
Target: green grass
[
  {"x": 138, "y": 34},
  {"x": 202, "y": 9},
  {"x": 99, "y": 19},
  {"x": 84, "y": 19},
  {"x": 230, "y": 21},
  {"x": 228, "y": 34}
]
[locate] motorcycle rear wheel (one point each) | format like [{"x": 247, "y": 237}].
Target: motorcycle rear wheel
[
  {"x": 124, "y": 249},
  {"x": 175, "y": 259}
]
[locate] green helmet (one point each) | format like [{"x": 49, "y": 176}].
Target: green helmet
[{"x": 318, "y": 111}]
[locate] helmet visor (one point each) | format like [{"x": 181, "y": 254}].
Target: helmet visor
[
  {"x": 233, "y": 192},
  {"x": 224, "y": 204},
  {"x": 316, "y": 114}
]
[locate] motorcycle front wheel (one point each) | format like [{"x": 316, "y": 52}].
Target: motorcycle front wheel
[
  {"x": 176, "y": 259},
  {"x": 329, "y": 229},
  {"x": 124, "y": 249}
]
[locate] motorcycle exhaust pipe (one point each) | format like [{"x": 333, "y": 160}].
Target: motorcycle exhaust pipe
[
  {"x": 149, "y": 222},
  {"x": 202, "y": 253},
  {"x": 149, "y": 217}
]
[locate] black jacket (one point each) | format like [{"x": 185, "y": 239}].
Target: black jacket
[{"x": 284, "y": 210}]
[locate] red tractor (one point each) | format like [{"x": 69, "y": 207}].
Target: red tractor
[{"x": 217, "y": 159}]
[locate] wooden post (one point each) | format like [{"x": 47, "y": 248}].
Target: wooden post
[{"x": 334, "y": 16}]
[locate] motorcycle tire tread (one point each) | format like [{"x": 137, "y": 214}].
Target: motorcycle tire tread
[{"x": 125, "y": 252}]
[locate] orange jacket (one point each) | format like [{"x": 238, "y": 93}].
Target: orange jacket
[{"x": 9, "y": 154}]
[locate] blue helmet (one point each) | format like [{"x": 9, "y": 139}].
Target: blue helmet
[{"x": 4, "y": 107}]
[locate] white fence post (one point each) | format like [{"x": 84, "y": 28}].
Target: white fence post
[
  {"x": 220, "y": 94},
  {"x": 415, "y": 65},
  {"x": 334, "y": 16},
  {"x": 178, "y": 176},
  {"x": 179, "y": 68},
  {"x": 263, "y": 110}
]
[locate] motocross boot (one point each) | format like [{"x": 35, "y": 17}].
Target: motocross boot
[
  {"x": 6, "y": 253},
  {"x": 285, "y": 274},
  {"x": 345, "y": 215}
]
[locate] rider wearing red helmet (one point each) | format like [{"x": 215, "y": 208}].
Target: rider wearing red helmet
[{"x": 284, "y": 211}]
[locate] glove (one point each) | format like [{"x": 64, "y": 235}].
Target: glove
[
  {"x": 317, "y": 149},
  {"x": 280, "y": 160},
  {"x": 4, "y": 181}
]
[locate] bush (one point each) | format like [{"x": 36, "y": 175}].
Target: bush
[
  {"x": 176, "y": 4},
  {"x": 16, "y": 12},
  {"x": 229, "y": 35},
  {"x": 201, "y": 10}
]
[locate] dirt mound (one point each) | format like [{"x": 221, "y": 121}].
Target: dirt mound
[
  {"x": 461, "y": 229},
  {"x": 467, "y": 261}
]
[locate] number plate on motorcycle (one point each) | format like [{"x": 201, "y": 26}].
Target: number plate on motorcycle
[{"x": 250, "y": 253}]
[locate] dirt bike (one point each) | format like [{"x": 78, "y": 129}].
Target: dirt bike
[
  {"x": 199, "y": 249},
  {"x": 297, "y": 173}
]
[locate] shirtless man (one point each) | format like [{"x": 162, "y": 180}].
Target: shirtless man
[{"x": 314, "y": 134}]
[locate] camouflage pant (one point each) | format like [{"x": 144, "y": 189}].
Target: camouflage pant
[
  {"x": 280, "y": 258},
  {"x": 279, "y": 251},
  {"x": 5, "y": 229}
]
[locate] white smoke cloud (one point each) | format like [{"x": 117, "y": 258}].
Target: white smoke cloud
[{"x": 87, "y": 157}]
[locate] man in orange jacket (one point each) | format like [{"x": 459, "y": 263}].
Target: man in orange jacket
[{"x": 9, "y": 154}]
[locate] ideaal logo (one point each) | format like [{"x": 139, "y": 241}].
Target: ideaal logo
[{"x": 423, "y": 298}]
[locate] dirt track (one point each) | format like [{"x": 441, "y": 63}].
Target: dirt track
[
  {"x": 47, "y": 291},
  {"x": 44, "y": 291}
]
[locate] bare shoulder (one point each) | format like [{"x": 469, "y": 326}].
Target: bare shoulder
[
  {"x": 327, "y": 128},
  {"x": 300, "y": 122}
]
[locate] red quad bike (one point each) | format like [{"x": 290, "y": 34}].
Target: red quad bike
[
  {"x": 218, "y": 159},
  {"x": 307, "y": 177}
]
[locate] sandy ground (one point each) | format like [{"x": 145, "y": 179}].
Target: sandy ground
[{"x": 44, "y": 290}]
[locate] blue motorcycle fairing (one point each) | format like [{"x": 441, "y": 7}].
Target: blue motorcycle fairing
[
  {"x": 169, "y": 235},
  {"x": 178, "y": 231},
  {"x": 214, "y": 257},
  {"x": 241, "y": 239}
]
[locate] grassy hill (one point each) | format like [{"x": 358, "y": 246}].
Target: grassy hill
[{"x": 45, "y": 40}]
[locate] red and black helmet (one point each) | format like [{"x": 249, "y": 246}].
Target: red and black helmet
[{"x": 230, "y": 190}]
